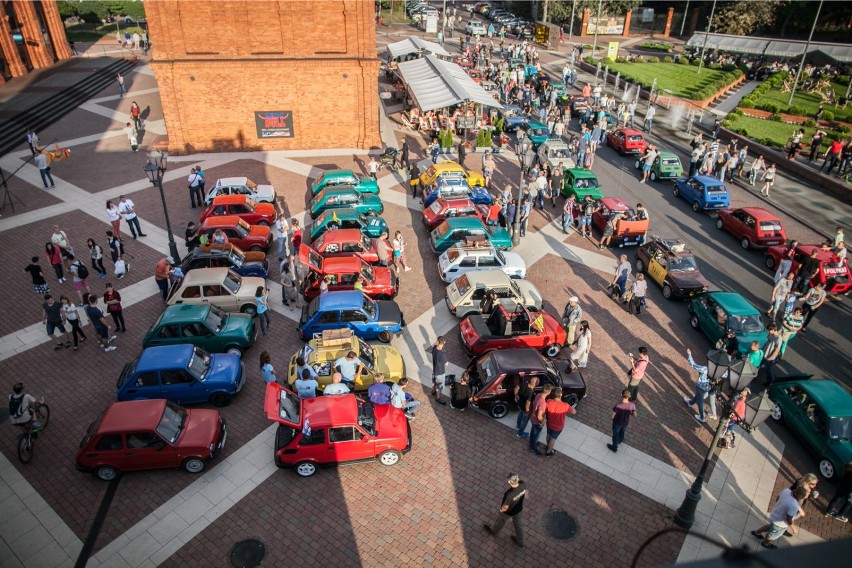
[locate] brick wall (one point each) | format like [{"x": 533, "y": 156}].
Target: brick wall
[{"x": 217, "y": 63}]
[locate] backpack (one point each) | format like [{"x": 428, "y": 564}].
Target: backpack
[
  {"x": 16, "y": 406},
  {"x": 82, "y": 271}
]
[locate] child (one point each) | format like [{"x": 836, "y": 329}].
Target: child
[{"x": 790, "y": 302}]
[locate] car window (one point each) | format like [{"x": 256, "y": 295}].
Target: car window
[
  {"x": 750, "y": 222},
  {"x": 109, "y": 442},
  {"x": 191, "y": 292},
  {"x": 771, "y": 225},
  {"x": 352, "y": 247},
  {"x": 138, "y": 440},
  {"x": 328, "y": 317},
  {"x": 175, "y": 377},
  {"x": 332, "y": 248},
  {"x": 314, "y": 438},
  {"x": 344, "y": 434},
  {"x": 146, "y": 379},
  {"x": 488, "y": 261},
  {"x": 212, "y": 290},
  {"x": 469, "y": 261},
  {"x": 353, "y": 316},
  {"x": 219, "y": 210},
  {"x": 169, "y": 331},
  {"x": 196, "y": 330},
  {"x": 171, "y": 422},
  {"x": 348, "y": 278}
]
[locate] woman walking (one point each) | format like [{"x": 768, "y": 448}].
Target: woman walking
[
  {"x": 97, "y": 254},
  {"x": 135, "y": 116},
  {"x": 114, "y": 218},
  {"x": 54, "y": 257},
  {"x": 769, "y": 179},
  {"x": 580, "y": 355},
  {"x": 261, "y": 300},
  {"x": 112, "y": 299},
  {"x": 69, "y": 312},
  {"x": 399, "y": 260}
]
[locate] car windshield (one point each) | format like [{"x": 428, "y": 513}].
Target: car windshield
[
  {"x": 453, "y": 254},
  {"x": 367, "y": 272},
  {"x": 367, "y": 355},
  {"x": 462, "y": 285},
  {"x": 746, "y": 324},
  {"x": 199, "y": 363},
  {"x": 215, "y": 318},
  {"x": 670, "y": 162},
  {"x": 552, "y": 367},
  {"x": 500, "y": 257},
  {"x": 487, "y": 370},
  {"x": 370, "y": 307},
  {"x": 716, "y": 189},
  {"x": 128, "y": 371},
  {"x": 682, "y": 264},
  {"x": 236, "y": 257},
  {"x": 242, "y": 229},
  {"x": 840, "y": 428},
  {"x": 365, "y": 242},
  {"x": 585, "y": 183},
  {"x": 514, "y": 286},
  {"x": 436, "y": 207},
  {"x": 538, "y": 131},
  {"x": 172, "y": 422},
  {"x": 232, "y": 282}
]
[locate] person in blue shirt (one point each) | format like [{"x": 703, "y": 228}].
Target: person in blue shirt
[
  {"x": 702, "y": 387},
  {"x": 349, "y": 367},
  {"x": 379, "y": 392},
  {"x": 301, "y": 366},
  {"x": 261, "y": 301},
  {"x": 306, "y": 385},
  {"x": 266, "y": 368}
]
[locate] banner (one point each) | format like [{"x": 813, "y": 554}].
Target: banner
[
  {"x": 612, "y": 50},
  {"x": 274, "y": 124},
  {"x": 605, "y": 26},
  {"x": 431, "y": 23}
]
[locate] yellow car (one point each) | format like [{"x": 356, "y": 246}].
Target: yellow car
[
  {"x": 450, "y": 169},
  {"x": 321, "y": 353}
]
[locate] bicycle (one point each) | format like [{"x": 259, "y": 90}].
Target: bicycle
[{"x": 26, "y": 441}]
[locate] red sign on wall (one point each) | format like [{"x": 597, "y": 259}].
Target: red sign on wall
[{"x": 274, "y": 124}]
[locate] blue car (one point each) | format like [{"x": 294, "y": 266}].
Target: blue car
[
  {"x": 513, "y": 118},
  {"x": 367, "y": 318},
  {"x": 182, "y": 373},
  {"x": 703, "y": 192},
  {"x": 450, "y": 187}
]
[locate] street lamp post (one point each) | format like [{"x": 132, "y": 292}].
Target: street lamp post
[
  {"x": 706, "y": 37},
  {"x": 597, "y": 27},
  {"x": 523, "y": 148},
  {"x": 736, "y": 375},
  {"x": 804, "y": 55},
  {"x": 154, "y": 169}
]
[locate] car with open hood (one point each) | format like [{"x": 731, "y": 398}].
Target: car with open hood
[
  {"x": 346, "y": 242},
  {"x": 347, "y": 218},
  {"x": 379, "y": 281},
  {"x": 244, "y": 263},
  {"x": 446, "y": 208},
  {"x": 468, "y": 230},
  {"x": 466, "y": 292},
  {"x": 247, "y": 237},
  {"x": 629, "y": 231}
]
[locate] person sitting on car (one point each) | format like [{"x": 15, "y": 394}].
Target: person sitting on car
[
  {"x": 336, "y": 386},
  {"x": 379, "y": 392},
  {"x": 306, "y": 385},
  {"x": 349, "y": 367}
]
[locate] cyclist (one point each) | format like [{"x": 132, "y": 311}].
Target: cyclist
[{"x": 21, "y": 406}]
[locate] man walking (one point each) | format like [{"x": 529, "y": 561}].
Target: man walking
[
  {"x": 622, "y": 273},
  {"x": 557, "y": 411},
  {"x": 782, "y": 516},
  {"x": 649, "y": 118},
  {"x": 196, "y": 182},
  {"x": 524, "y": 394},
  {"x": 439, "y": 368},
  {"x": 120, "y": 80},
  {"x": 511, "y": 508},
  {"x": 128, "y": 213},
  {"x": 571, "y": 316},
  {"x": 53, "y": 319},
  {"x": 812, "y": 302},
  {"x": 99, "y": 322},
  {"x": 702, "y": 388},
  {"x": 621, "y": 414},
  {"x": 44, "y": 170},
  {"x": 637, "y": 372},
  {"x": 462, "y": 153},
  {"x": 32, "y": 141},
  {"x": 537, "y": 414},
  {"x": 557, "y": 180},
  {"x": 771, "y": 353}
]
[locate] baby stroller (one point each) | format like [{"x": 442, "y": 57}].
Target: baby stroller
[{"x": 388, "y": 158}]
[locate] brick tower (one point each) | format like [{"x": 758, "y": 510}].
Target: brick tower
[{"x": 266, "y": 74}]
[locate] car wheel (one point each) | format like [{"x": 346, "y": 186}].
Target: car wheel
[
  {"x": 653, "y": 175},
  {"x": 385, "y": 336},
  {"x": 234, "y": 350},
  {"x": 306, "y": 469},
  {"x": 693, "y": 321},
  {"x": 636, "y": 164},
  {"x": 249, "y": 309},
  {"x": 389, "y": 457},
  {"x": 826, "y": 468},
  {"x": 499, "y": 410},
  {"x": 676, "y": 191},
  {"x": 194, "y": 465},
  {"x": 719, "y": 224},
  {"x": 776, "y": 413},
  {"x": 667, "y": 292},
  {"x": 696, "y": 207},
  {"x": 572, "y": 399},
  {"x": 107, "y": 473},
  {"x": 220, "y": 399},
  {"x": 553, "y": 350},
  {"x": 263, "y": 223},
  {"x": 769, "y": 262},
  {"x": 256, "y": 248},
  {"x": 640, "y": 265},
  {"x": 745, "y": 243}
]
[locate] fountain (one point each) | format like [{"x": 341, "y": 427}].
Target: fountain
[
  {"x": 606, "y": 75},
  {"x": 626, "y": 89},
  {"x": 617, "y": 81},
  {"x": 676, "y": 114}
]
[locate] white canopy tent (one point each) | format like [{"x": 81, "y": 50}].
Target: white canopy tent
[
  {"x": 415, "y": 44},
  {"x": 772, "y": 48},
  {"x": 438, "y": 84}
]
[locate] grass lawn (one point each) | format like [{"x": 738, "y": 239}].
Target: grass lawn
[
  {"x": 809, "y": 102},
  {"x": 85, "y": 36},
  {"x": 681, "y": 80},
  {"x": 94, "y": 32},
  {"x": 767, "y": 131}
]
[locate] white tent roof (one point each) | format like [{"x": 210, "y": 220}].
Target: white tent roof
[
  {"x": 415, "y": 44},
  {"x": 772, "y": 48},
  {"x": 439, "y": 84}
]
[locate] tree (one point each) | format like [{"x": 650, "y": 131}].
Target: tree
[
  {"x": 560, "y": 10},
  {"x": 745, "y": 18}
]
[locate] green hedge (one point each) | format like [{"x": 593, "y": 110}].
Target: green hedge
[
  {"x": 796, "y": 111},
  {"x": 776, "y": 117},
  {"x": 809, "y": 123},
  {"x": 827, "y": 115},
  {"x": 653, "y": 60}
]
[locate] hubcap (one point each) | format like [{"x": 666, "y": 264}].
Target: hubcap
[{"x": 826, "y": 469}]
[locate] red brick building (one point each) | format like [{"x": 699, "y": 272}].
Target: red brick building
[
  {"x": 267, "y": 74},
  {"x": 32, "y": 36}
]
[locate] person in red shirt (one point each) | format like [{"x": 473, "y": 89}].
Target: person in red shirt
[
  {"x": 557, "y": 411},
  {"x": 493, "y": 213}
]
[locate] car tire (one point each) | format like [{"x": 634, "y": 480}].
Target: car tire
[
  {"x": 572, "y": 399},
  {"x": 696, "y": 207},
  {"x": 653, "y": 175},
  {"x": 389, "y": 458},
  {"x": 256, "y": 248},
  {"x": 826, "y": 469},
  {"x": 306, "y": 468},
  {"x": 637, "y": 164},
  {"x": 263, "y": 223},
  {"x": 719, "y": 223},
  {"x": 769, "y": 262},
  {"x": 220, "y": 399},
  {"x": 385, "y": 336},
  {"x": 234, "y": 350},
  {"x": 107, "y": 473},
  {"x": 194, "y": 465},
  {"x": 693, "y": 321},
  {"x": 499, "y": 410},
  {"x": 553, "y": 350},
  {"x": 640, "y": 265},
  {"x": 776, "y": 413},
  {"x": 667, "y": 292},
  {"x": 249, "y": 309},
  {"x": 676, "y": 191},
  {"x": 745, "y": 243}
]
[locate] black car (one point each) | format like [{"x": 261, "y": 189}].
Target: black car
[
  {"x": 216, "y": 256},
  {"x": 493, "y": 378}
]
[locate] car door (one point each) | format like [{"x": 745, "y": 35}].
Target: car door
[
  {"x": 313, "y": 447},
  {"x": 143, "y": 386},
  {"x": 200, "y": 334},
  {"x": 657, "y": 265},
  {"x": 749, "y": 228},
  {"x": 326, "y": 320},
  {"x": 166, "y": 335},
  {"x": 178, "y": 385},
  {"x": 357, "y": 320},
  {"x": 146, "y": 450},
  {"x": 734, "y": 223},
  {"x": 814, "y": 429},
  {"x": 711, "y": 318},
  {"x": 218, "y": 295},
  {"x": 108, "y": 449},
  {"x": 347, "y": 443}
]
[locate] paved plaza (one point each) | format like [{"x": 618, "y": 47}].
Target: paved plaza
[{"x": 429, "y": 509}]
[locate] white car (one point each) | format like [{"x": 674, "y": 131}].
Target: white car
[
  {"x": 554, "y": 151},
  {"x": 241, "y": 186},
  {"x": 475, "y": 28},
  {"x": 468, "y": 290},
  {"x": 460, "y": 259}
]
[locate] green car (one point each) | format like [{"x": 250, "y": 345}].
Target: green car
[
  {"x": 348, "y": 218},
  {"x": 457, "y": 229},
  {"x": 345, "y": 196},
  {"x": 819, "y": 411},
  {"x": 207, "y": 327},
  {"x": 580, "y": 183},
  {"x": 716, "y": 312},
  {"x": 333, "y": 178},
  {"x": 666, "y": 166},
  {"x": 537, "y": 132}
]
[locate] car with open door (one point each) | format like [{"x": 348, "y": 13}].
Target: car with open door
[
  {"x": 512, "y": 329},
  {"x": 342, "y": 271}
]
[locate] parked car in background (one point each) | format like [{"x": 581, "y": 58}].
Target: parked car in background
[
  {"x": 347, "y": 218},
  {"x": 513, "y": 118},
  {"x": 475, "y": 28},
  {"x": 468, "y": 229},
  {"x": 449, "y": 170},
  {"x": 554, "y": 151},
  {"x": 334, "y": 178},
  {"x": 755, "y": 227},
  {"x": 716, "y": 312},
  {"x": 217, "y": 286},
  {"x": 239, "y": 233},
  {"x": 833, "y": 272},
  {"x": 367, "y": 318},
  {"x": 184, "y": 374},
  {"x": 466, "y": 292},
  {"x": 629, "y": 231},
  {"x": 151, "y": 434},
  {"x": 345, "y": 197},
  {"x": 452, "y": 186},
  {"x": 512, "y": 329},
  {"x": 703, "y": 192},
  {"x": 446, "y": 208},
  {"x": 345, "y": 243},
  {"x": 626, "y": 141},
  {"x": 207, "y": 326},
  {"x": 537, "y": 132},
  {"x": 251, "y": 263},
  {"x": 460, "y": 259},
  {"x": 673, "y": 266},
  {"x": 379, "y": 281},
  {"x": 666, "y": 166},
  {"x": 580, "y": 183},
  {"x": 243, "y": 207},
  {"x": 259, "y": 193}
]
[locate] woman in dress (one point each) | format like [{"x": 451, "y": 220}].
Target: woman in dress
[
  {"x": 580, "y": 355},
  {"x": 69, "y": 311},
  {"x": 55, "y": 258},
  {"x": 114, "y": 218},
  {"x": 112, "y": 299},
  {"x": 97, "y": 254}
]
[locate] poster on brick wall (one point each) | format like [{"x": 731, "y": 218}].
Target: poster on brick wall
[{"x": 274, "y": 124}]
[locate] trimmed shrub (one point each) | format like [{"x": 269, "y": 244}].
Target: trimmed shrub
[
  {"x": 683, "y": 60},
  {"x": 667, "y": 59},
  {"x": 738, "y": 112},
  {"x": 483, "y": 138},
  {"x": 747, "y": 103},
  {"x": 775, "y": 117},
  {"x": 621, "y": 60},
  {"x": 608, "y": 61},
  {"x": 769, "y": 107},
  {"x": 809, "y": 123},
  {"x": 731, "y": 117},
  {"x": 694, "y": 62},
  {"x": 639, "y": 59},
  {"x": 653, "y": 59},
  {"x": 797, "y": 111},
  {"x": 728, "y": 67},
  {"x": 714, "y": 66},
  {"x": 843, "y": 129},
  {"x": 827, "y": 115}
]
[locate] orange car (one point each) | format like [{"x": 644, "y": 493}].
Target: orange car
[
  {"x": 629, "y": 231},
  {"x": 346, "y": 242}
]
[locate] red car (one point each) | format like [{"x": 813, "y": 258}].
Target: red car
[
  {"x": 442, "y": 209},
  {"x": 512, "y": 330},
  {"x": 239, "y": 233},
  {"x": 379, "y": 282},
  {"x": 754, "y": 226},
  {"x": 243, "y": 207},
  {"x": 629, "y": 231},
  {"x": 832, "y": 273},
  {"x": 151, "y": 434},
  {"x": 626, "y": 141},
  {"x": 346, "y": 242}
]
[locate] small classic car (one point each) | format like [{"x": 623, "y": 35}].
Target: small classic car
[
  {"x": 505, "y": 329},
  {"x": 247, "y": 237},
  {"x": 671, "y": 265},
  {"x": 452, "y": 186},
  {"x": 579, "y": 104},
  {"x": 333, "y": 178},
  {"x": 755, "y": 227},
  {"x": 466, "y": 292},
  {"x": 629, "y": 231},
  {"x": 450, "y": 169},
  {"x": 184, "y": 374},
  {"x": 833, "y": 272},
  {"x": 342, "y": 429},
  {"x": 703, "y": 192},
  {"x": 348, "y": 218},
  {"x": 626, "y": 141},
  {"x": 321, "y": 352},
  {"x": 151, "y": 434},
  {"x": 460, "y": 259},
  {"x": 241, "y": 186},
  {"x": 346, "y": 242},
  {"x": 493, "y": 378},
  {"x": 218, "y": 286},
  {"x": 345, "y": 196},
  {"x": 537, "y": 132},
  {"x": 379, "y": 281},
  {"x": 819, "y": 411},
  {"x": 580, "y": 183},
  {"x": 666, "y": 166},
  {"x": 243, "y": 207},
  {"x": 442, "y": 209},
  {"x": 463, "y": 229},
  {"x": 206, "y": 326},
  {"x": 553, "y": 152},
  {"x": 716, "y": 312},
  {"x": 367, "y": 318},
  {"x": 251, "y": 263},
  {"x": 513, "y": 118}
]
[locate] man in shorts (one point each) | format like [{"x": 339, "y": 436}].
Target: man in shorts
[
  {"x": 52, "y": 318},
  {"x": 99, "y": 322},
  {"x": 781, "y": 517},
  {"x": 588, "y": 209},
  {"x": 557, "y": 411},
  {"x": 609, "y": 229}
]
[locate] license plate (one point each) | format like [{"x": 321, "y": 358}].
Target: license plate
[
  {"x": 770, "y": 243},
  {"x": 631, "y": 243}
]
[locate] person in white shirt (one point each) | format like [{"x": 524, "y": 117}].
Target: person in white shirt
[
  {"x": 196, "y": 182},
  {"x": 128, "y": 213},
  {"x": 336, "y": 386},
  {"x": 44, "y": 170},
  {"x": 32, "y": 141},
  {"x": 373, "y": 167},
  {"x": 649, "y": 118},
  {"x": 639, "y": 289},
  {"x": 282, "y": 227}
]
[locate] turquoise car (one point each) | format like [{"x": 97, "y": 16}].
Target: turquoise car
[
  {"x": 348, "y": 218},
  {"x": 345, "y": 196},
  {"x": 716, "y": 312},
  {"x": 537, "y": 132},
  {"x": 459, "y": 229},
  {"x": 333, "y": 178}
]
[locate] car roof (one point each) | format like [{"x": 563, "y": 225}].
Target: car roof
[
  {"x": 184, "y": 313},
  {"x": 581, "y": 173},
  {"x": 340, "y": 300},
  {"x": 331, "y": 190},
  {"x": 448, "y": 166},
  {"x": 669, "y": 244},
  {"x": 221, "y": 221},
  {"x": 535, "y": 124},
  {"x": 324, "y": 411},
  {"x": 205, "y": 275},
  {"x": 708, "y": 180},
  {"x": 823, "y": 255},
  {"x": 230, "y": 199},
  {"x": 508, "y": 360},
  {"x": 232, "y": 181},
  {"x": 631, "y": 132},
  {"x": 554, "y": 143},
  {"x": 456, "y": 202},
  {"x": 342, "y": 263},
  {"x": 342, "y": 235},
  {"x": 342, "y": 212},
  {"x": 759, "y": 213},
  {"x": 834, "y": 399},
  {"x": 132, "y": 415},
  {"x": 335, "y": 173},
  {"x": 616, "y": 203},
  {"x": 164, "y": 356},
  {"x": 464, "y": 222},
  {"x": 667, "y": 154},
  {"x": 734, "y": 303},
  {"x": 487, "y": 277}
]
